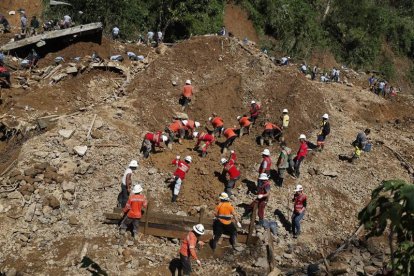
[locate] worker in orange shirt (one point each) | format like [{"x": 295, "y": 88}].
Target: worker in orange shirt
[
  {"x": 217, "y": 123},
  {"x": 186, "y": 95},
  {"x": 271, "y": 132},
  {"x": 207, "y": 138},
  {"x": 244, "y": 125},
  {"x": 188, "y": 248},
  {"x": 223, "y": 222},
  {"x": 230, "y": 134},
  {"x": 176, "y": 128},
  {"x": 190, "y": 126},
  {"x": 133, "y": 210}
]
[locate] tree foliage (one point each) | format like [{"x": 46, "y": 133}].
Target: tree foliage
[{"x": 392, "y": 206}]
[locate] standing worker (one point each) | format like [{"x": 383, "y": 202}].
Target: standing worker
[
  {"x": 217, "y": 123},
  {"x": 302, "y": 152},
  {"x": 266, "y": 163},
  {"x": 299, "y": 207},
  {"x": 187, "y": 94},
  {"x": 151, "y": 141},
  {"x": 133, "y": 210},
  {"x": 263, "y": 193},
  {"x": 229, "y": 167},
  {"x": 325, "y": 130},
  {"x": 254, "y": 111},
  {"x": 245, "y": 125},
  {"x": 115, "y": 33},
  {"x": 285, "y": 119},
  {"x": 207, "y": 138},
  {"x": 126, "y": 183},
  {"x": 34, "y": 26},
  {"x": 188, "y": 248},
  {"x": 179, "y": 174},
  {"x": 23, "y": 22},
  {"x": 283, "y": 163},
  {"x": 223, "y": 222},
  {"x": 230, "y": 134}
]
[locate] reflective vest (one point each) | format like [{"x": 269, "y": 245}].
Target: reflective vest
[
  {"x": 155, "y": 138},
  {"x": 224, "y": 212},
  {"x": 182, "y": 168},
  {"x": 265, "y": 165},
  {"x": 176, "y": 126},
  {"x": 263, "y": 187},
  {"x": 299, "y": 201},
  {"x": 187, "y": 91},
  {"x": 217, "y": 122},
  {"x": 134, "y": 206},
  {"x": 244, "y": 122},
  {"x": 229, "y": 132},
  {"x": 188, "y": 245}
]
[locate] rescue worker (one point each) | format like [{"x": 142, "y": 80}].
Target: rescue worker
[
  {"x": 217, "y": 123},
  {"x": 188, "y": 248},
  {"x": 190, "y": 126},
  {"x": 151, "y": 141},
  {"x": 266, "y": 163},
  {"x": 229, "y": 167},
  {"x": 223, "y": 222},
  {"x": 34, "y": 26},
  {"x": 230, "y": 134},
  {"x": 207, "y": 138},
  {"x": 244, "y": 125},
  {"x": 182, "y": 168},
  {"x": 283, "y": 163},
  {"x": 285, "y": 119},
  {"x": 174, "y": 129},
  {"x": 299, "y": 207},
  {"x": 133, "y": 210},
  {"x": 254, "y": 111},
  {"x": 187, "y": 94},
  {"x": 5, "y": 74},
  {"x": 126, "y": 183},
  {"x": 115, "y": 33},
  {"x": 263, "y": 193},
  {"x": 302, "y": 152},
  {"x": 325, "y": 130},
  {"x": 270, "y": 132},
  {"x": 360, "y": 143}
]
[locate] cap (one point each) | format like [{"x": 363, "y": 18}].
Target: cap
[
  {"x": 224, "y": 196},
  {"x": 195, "y": 134},
  {"x": 188, "y": 82},
  {"x": 137, "y": 189},
  {"x": 285, "y": 110},
  {"x": 263, "y": 176},
  {"x": 188, "y": 159},
  {"x": 298, "y": 188},
  {"x": 253, "y": 102},
  {"x": 133, "y": 163},
  {"x": 223, "y": 160},
  {"x": 197, "y": 124},
  {"x": 210, "y": 118},
  {"x": 164, "y": 138},
  {"x": 302, "y": 136},
  {"x": 266, "y": 152},
  {"x": 238, "y": 117},
  {"x": 199, "y": 229},
  {"x": 325, "y": 116},
  {"x": 185, "y": 122}
]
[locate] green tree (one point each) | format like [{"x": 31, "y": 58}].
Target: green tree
[{"x": 392, "y": 207}]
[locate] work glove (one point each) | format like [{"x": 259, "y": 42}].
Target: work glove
[
  {"x": 198, "y": 262},
  {"x": 177, "y": 157},
  {"x": 260, "y": 196},
  {"x": 239, "y": 224}
]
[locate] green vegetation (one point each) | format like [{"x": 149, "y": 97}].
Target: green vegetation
[{"x": 391, "y": 210}]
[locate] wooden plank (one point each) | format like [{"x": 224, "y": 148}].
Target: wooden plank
[
  {"x": 252, "y": 224},
  {"x": 200, "y": 219},
  {"x": 270, "y": 254},
  {"x": 147, "y": 216}
]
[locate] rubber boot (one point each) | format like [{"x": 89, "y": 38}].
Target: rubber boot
[
  {"x": 261, "y": 141},
  {"x": 174, "y": 198},
  {"x": 204, "y": 154}
]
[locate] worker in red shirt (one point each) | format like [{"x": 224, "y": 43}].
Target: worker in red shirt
[
  {"x": 266, "y": 163},
  {"x": 271, "y": 132},
  {"x": 207, "y": 138},
  {"x": 245, "y": 125},
  {"x": 4, "y": 73},
  {"x": 263, "y": 194},
  {"x": 230, "y": 134},
  {"x": 254, "y": 111},
  {"x": 187, "y": 94},
  {"x": 151, "y": 141},
  {"x": 229, "y": 167},
  {"x": 302, "y": 152},
  {"x": 182, "y": 167},
  {"x": 176, "y": 128},
  {"x": 190, "y": 126},
  {"x": 133, "y": 210},
  {"x": 188, "y": 248},
  {"x": 217, "y": 123},
  {"x": 299, "y": 207}
]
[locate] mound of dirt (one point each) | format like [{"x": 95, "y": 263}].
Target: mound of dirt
[{"x": 237, "y": 22}]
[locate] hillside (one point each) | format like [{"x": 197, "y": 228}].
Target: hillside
[{"x": 49, "y": 218}]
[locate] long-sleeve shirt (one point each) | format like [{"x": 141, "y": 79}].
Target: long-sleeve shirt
[
  {"x": 188, "y": 246},
  {"x": 134, "y": 205}
]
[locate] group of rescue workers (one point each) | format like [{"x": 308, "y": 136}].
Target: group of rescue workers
[{"x": 132, "y": 201}]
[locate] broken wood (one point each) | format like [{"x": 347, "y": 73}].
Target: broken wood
[
  {"x": 88, "y": 136},
  {"x": 8, "y": 167},
  {"x": 269, "y": 249},
  {"x": 54, "y": 70},
  {"x": 147, "y": 213},
  {"x": 252, "y": 224}
]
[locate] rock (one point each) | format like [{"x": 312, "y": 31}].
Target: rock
[
  {"x": 97, "y": 134},
  {"x": 152, "y": 171},
  {"x": 287, "y": 256},
  {"x": 68, "y": 168},
  {"x": 41, "y": 166},
  {"x": 80, "y": 150},
  {"x": 338, "y": 268},
  {"x": 370, "y": 270},
  {"x": 68, "y": 187},
  {"x": 330, "y": 173},
  {"x": 220, "y": 58},
  {"x": 30, "y": 212},
  {"x": 174, "y": 83},
  {"x": 180, "y": 115},
  {"x": 71, "y": 70},
  {"x": 11, "y": 272},
  {"x": 83, "y": 168},
  {"x": 73, "y": 220},
  {"x": 261, "y": 262},
  {"x": 161, "y": 49},
  {"x": 53, "y": 202},
  {"x": 15, "y": 173},
  {"x": 275, "y": 272},
  {"x": 59, "y": 77},
  {"x": 66, "y": 133},
  {"x": 46, "y": 210},
  {"x": 32, "y": 172},
  {"x": 308, "y": 76},
  {"x": 14, "y": 195},
  {"x": 350, "y": 84}
]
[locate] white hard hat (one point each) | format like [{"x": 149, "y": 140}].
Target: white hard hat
[
  {"x": 263, "y": 176},
  {"x": 223, "y": 160},
  {"x": 188, "y": 82},
  {"x": 137, "y": 189},
  {"x": 325, "y": 116},
  {"x": 199, "y": 229},
  {"x": 195, "y": 133},
  {"x": 285, "y": 110},
  {"x": 302, "y": 136},
  {"x": 133, "y": 163},
  {"x": 197, "y": 124},
  {"x": 266, "y": 152},
  {"x": 298, "y": 188},
  {"x": 210, "y": 118},
  {"x": 224, "y": 196},
  {"x": 185, "y": 122},
  {"x": 253, "y": 102},
  {"x": 164, "y": 138},
  {"x": 238, "y": 117},
  {"x": 188, "y": 159}
]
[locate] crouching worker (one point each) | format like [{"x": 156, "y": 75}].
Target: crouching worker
[
  {"x": 188, "y": 248},
  {"x": 152, "y": 141},
  {"x": 133, "y": 211}
]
